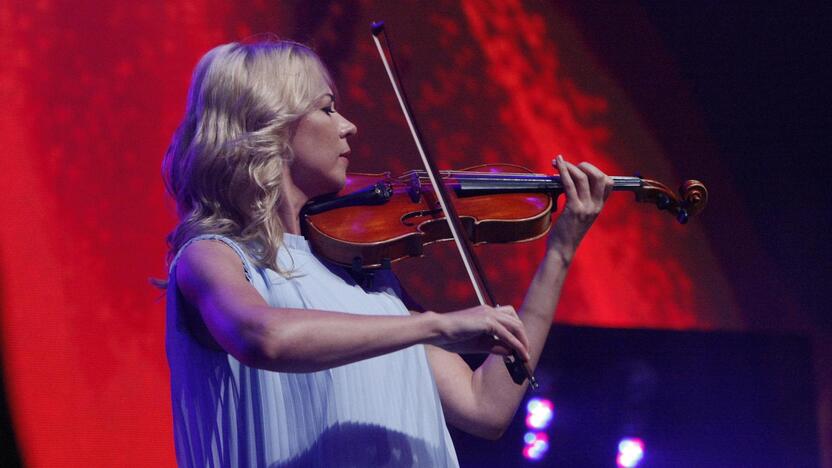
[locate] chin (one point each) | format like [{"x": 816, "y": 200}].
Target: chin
[
  {"x": 341, "y": 183},
  {"x": 334, "y": 184}
]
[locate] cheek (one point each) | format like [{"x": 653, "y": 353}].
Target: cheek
[{"x": 310, "y": 136}]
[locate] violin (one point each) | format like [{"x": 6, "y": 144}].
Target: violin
[{"x": 377, "y": 219}]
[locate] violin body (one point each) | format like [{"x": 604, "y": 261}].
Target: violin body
[
  {"x": 377, "y": 219},
  {"x": 370, "y": 234}
]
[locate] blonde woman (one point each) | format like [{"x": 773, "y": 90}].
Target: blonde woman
[{"x": 277, "y": 357}]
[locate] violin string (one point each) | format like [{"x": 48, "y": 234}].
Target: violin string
[
  {"x": 512, "y": 177},
  {"x": 520, "y": 179},
  {"x": 482, "y": 173},
  {"x": 487, "y": 176}
]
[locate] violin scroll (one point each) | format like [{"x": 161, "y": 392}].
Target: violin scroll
[{"x": 691, "y": 200}]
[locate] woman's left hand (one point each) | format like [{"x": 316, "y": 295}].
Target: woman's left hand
[{"x": 586, "y": 189}]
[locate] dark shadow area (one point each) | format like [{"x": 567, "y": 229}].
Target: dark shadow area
[
  {"x": 361, "y": 445},
  {"x": 695, "y": 399},
  {"x": 9, "y": 453},
  {"x": 738, "y": 95},
  {"x": 329, "y": 26}
]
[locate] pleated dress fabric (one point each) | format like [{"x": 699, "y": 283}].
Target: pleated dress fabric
[{"x": 383, "y": 411}]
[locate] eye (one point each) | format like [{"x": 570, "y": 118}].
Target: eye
[{"x": 330, "y": 109}]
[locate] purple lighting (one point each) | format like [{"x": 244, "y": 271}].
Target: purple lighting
[
  {"x": 537, "y": 443},
  {"x": 539, "y": 413},
  {"x": 630, "y": 452}
]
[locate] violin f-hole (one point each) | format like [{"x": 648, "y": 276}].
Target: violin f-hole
[{"x": 431, "y": 214}]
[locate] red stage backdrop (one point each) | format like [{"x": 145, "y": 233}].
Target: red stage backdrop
[{"x": 93, "y": 90}]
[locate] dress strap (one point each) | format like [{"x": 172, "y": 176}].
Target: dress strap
[{"x": 247, "y": 266}]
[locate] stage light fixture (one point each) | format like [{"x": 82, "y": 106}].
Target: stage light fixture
[
  {"x": 537, "y": 444},
  {"x": 630, "y": 452},
  {"x": 539, "y": 413}
]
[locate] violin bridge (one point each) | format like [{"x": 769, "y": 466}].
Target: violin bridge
[{"x": 415, "y": 188}]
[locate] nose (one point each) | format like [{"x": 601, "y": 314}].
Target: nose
[{"x": 347, "y": 128}]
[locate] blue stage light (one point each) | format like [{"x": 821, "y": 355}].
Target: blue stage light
[
  {"x": 537, "y": 443},
  {"x": 539, "y": 413},
  {"x": 630, "y": 452}
]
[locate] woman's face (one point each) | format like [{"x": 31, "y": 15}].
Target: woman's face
[{"x": 320, "y": 149}]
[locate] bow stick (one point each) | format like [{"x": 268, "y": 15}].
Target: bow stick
[{"x": 518, "y": 370}]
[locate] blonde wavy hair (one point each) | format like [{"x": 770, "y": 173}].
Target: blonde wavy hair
[{"x": 225, "y": 161}]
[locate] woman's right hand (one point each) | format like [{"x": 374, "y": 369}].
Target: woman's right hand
[{"x": 481, "y": 329}]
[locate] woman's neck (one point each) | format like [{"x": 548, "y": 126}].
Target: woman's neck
[{"x": 292, "y": 201}]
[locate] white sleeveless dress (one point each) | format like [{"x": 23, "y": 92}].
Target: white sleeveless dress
[{"x": 383, "y": 411}]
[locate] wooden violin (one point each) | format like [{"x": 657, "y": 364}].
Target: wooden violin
[
  {"x": 344, "y": 229},
  {"x": 377, "y": 219}
]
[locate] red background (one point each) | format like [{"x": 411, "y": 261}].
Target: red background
[{"x": 92, "y": 92}]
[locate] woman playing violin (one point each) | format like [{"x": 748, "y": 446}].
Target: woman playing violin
[{"x": 277, "y": 357}]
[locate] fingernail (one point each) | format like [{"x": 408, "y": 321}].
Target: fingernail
[{"x": 560, "y": 158}]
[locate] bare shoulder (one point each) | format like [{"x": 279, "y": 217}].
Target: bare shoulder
[
  {"x": 210, "y": 267},
  {"x": 208, "y": 256}
]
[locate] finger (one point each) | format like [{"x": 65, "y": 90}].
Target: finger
[
  {"x": 511, "y": 340},
  {"x": 516, "y": 327},
  {"x": 509, "y": 310},
  {"x": 581, "y": 182},
  {"x": 511, "y": 320},
  {"x": 491, "y": 344},
  {"x": 500, "y": 349},
  {"x": 566, "y": 179},
  {"x": 597, "y": 180},
  {"x": 487, "y": 344}
]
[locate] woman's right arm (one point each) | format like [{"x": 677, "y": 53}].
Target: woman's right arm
[{"x": 210, "y": 276}]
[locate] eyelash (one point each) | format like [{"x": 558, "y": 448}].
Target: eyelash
[{"x": 329, "y": 109}]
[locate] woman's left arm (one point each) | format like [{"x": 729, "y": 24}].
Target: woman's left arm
[{"x": 483, "y": 402}]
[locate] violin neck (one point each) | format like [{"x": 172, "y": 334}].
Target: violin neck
[{"x": 482, "y": 184}]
